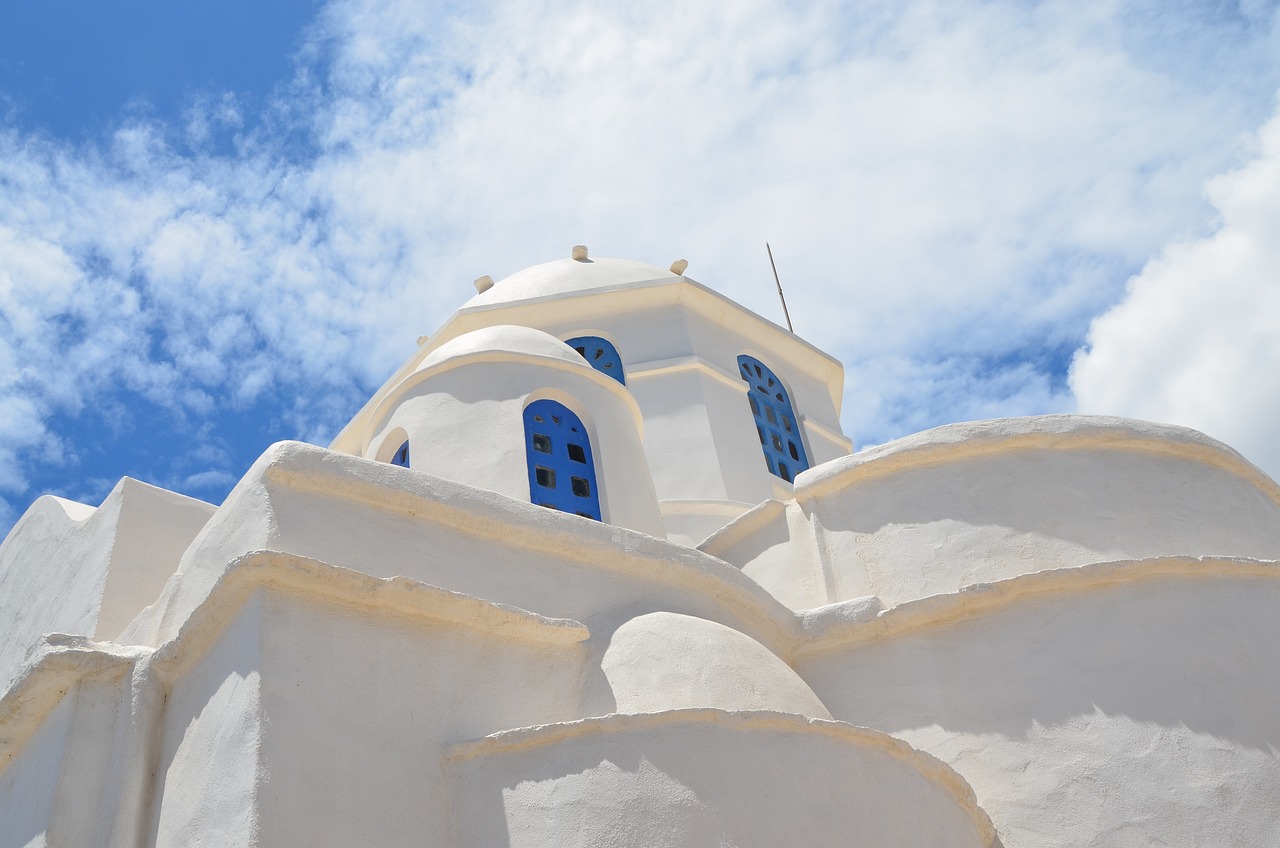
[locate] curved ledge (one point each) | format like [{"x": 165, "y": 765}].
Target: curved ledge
[
  {"x": 490, "y": 516},
  {"x": 862, "y": 620},
  {"x": 969, "y": 440},
  {"x": 55, "y": 664},
  {"x": 419, "y": 376},
  {"x": 312, "y": 578},
  {"x": 927, "y": 766},
  {"x": 743, "y": 526}
]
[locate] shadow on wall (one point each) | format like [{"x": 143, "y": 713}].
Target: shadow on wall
[
  {"x": 709, "y": 781},
  {"x": 1194, "y": 653},
  {"x": 1100, "y": 500}
]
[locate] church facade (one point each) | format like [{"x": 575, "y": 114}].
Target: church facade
[{"x": 598, "y": 566}]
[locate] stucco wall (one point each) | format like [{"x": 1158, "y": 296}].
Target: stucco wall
[
  {"x": 467, "y": 424},
  {"x": 70, "y": 568},
  {"x": 969, "y": 503},
  {"x": 209, "y": 771},
  {"x": 385, "y": 521},
  {"x": 1109, "y": 709},
  {"x": 358, "y": 708},
  {"x": 701, "y": 778}
]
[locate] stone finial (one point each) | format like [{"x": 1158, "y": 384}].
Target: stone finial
[
  {"x": 679, "y": 265},
  {"x": 423, "y": 340},
  {"x": 580, "y": 252},
  {"x": 483, "y": 284}
]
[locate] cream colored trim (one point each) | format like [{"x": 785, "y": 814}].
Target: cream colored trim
[
  {"x": 660, "y": 367},
  {"x": 582, "y": 369},
  {"x": 972, "y": 440},
  {"x": 747, "y": 523},
  {"x": 678, "y": 506},
  {"x": 929, "y": 768},
  {"x": 833, "y": 436},
  {"x": 519, "y": 524},
  {"x": 862, "y": 620},
  {"x": 57, "y": 664},
  {"x": 707, "y": 302},
  {"x": 303, "y": 576}
]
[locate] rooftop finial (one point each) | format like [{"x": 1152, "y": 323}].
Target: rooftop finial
[
  {"x": 580, "y": 252},
  {"x": 679, "y": 265},
  {"x": 483, "y": 284}
]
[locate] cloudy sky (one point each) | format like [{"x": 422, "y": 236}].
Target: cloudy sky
[{"x": 224, "y": 222}]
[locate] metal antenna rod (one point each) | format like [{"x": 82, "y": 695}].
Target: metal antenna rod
[{"x": 781, "y": 296}]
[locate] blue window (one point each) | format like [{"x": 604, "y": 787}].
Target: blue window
[
  {"x": 562, "y": 473},
  {"x": 600, "y": 354},
  {"x": 401, "y": 457},
  {"x": 775, "y": 422}
]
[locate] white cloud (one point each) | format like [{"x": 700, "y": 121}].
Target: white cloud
[
  {"x": 952, "y": 191},
  {"x": 1196, "y": 341}
]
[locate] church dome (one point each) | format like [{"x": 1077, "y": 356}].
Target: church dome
[
  {"x": 568, "y": 276},
  {"x": 502, "y": 339}
]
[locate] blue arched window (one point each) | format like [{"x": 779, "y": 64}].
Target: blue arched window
[
  {"x": 775, "y": 421},
  {"x": 401, "y": 456},
  {"x": 600, "y": 354},
  {"x": 562, "y": 472}
]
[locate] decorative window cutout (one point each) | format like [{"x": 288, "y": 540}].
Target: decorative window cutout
[
  {"x": 783, "y": 450},
  {"x": 401, "y": 456},
  {"x": 557, "y": 450},
  {"x": 600, "y": 355}
]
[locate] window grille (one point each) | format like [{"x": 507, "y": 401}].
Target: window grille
[
  {"x": 600, "y": 355},
  {"x": 562, "y": 472},
  {"x": 776, "y": 423}
]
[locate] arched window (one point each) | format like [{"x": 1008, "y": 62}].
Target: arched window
[
  {"x": 401, "y": 456},
  {"x": 562, "y": 473},
  {"x": 776, "y": 424},
  {"x": 600, "y": 355}
]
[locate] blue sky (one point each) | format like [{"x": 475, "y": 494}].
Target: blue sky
[
  {"x": 224, "y": 224},
  {"x": 74, "y": 68}
]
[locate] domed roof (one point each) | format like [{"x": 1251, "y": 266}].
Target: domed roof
[
  {"x": 503, "y": 338},
  {"x": 669, "y": 661},
  {"x": 565, "y": 276}
]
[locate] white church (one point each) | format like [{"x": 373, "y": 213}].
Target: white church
[{"x": 598, "y": 567}]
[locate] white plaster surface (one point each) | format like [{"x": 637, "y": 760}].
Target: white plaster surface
[
  {"x": 707, "y": 778},
  {"x": 357, "y": 709},
  {"x": 679, "y": 342},
  {"x": 462, "y": 412},
  {"x": 385, "y": 521},
  {"x": 984, "y": 501},
  {"x": 1123, "y": 713},
  {"x": 210, "y": 771},
  {"x": 70, "y": 568},
  {"x": 666, "y": 661}
]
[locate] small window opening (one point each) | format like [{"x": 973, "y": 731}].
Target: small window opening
[
  {"x": 401, "y": 457},
  {"x": 784, "y": 455},
  {"x": 557, "y": 447},
  {"x": 600, "y": 354}
]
